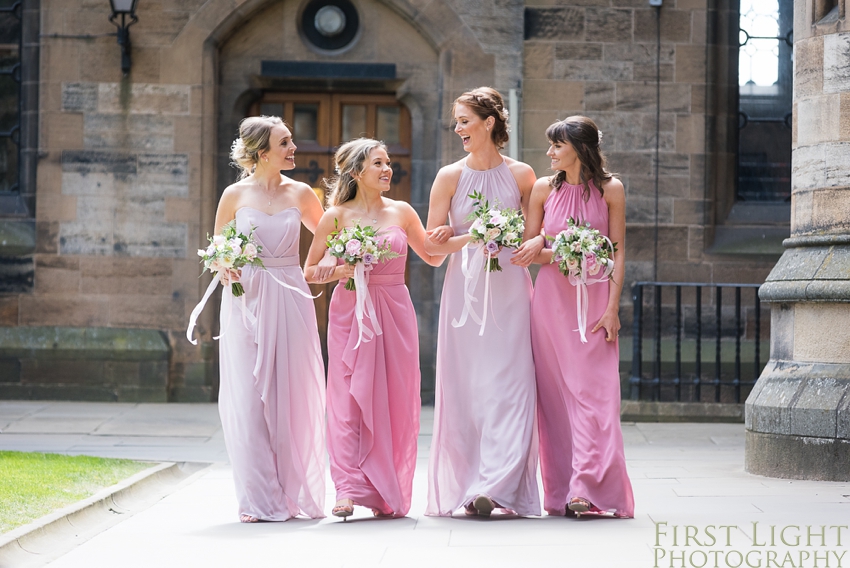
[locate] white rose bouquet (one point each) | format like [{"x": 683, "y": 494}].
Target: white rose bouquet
[
  {"x": 358, "y": 245},
  {"x": 495, "y": 228},
  {"x": 231, "y": 250}
]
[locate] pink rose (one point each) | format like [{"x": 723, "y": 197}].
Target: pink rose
[{"x": 352, "y": 247}]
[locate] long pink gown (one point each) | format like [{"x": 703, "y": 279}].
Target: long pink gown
[
  {"x": 484, "y": 438},
  {"x": 373, "y": 390},
  {"x": 578, "y": 384},
  {"x": 272, "y": 381}
]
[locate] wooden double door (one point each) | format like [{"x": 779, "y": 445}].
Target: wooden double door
[{"x": 320, "y": 123}]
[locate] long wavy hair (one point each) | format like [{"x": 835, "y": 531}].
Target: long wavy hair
[
  {"x": 254, "y": 134},
  {"x": 484, "y": 102},
  {"x": 350, "y": 159},
  {"x": 583, "y": 135}
]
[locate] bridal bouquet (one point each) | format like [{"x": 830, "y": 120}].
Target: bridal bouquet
[
  {"x": 495, "y": 228},
  {"x": 231, "y": 250},
  {"x": 585, "y": 256},
  {"x": 582, "y": 251},
  {"x": 358, "y": 245}
]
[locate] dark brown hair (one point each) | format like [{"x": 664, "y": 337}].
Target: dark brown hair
[
  {"x": 484, "y": 102},
  {"x": 583, "y": 135}
]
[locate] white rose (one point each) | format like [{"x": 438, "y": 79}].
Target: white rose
[
  {"x": 202, "y": 252},
  {"x": 219, "y": 240},
  {"x": 339, "y": 248}
]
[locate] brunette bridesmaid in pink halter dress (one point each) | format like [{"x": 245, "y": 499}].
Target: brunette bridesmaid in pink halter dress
[
  {"x": 484, "y": 446},
  {"x": 373, "y": 374},
  {"x": 272, "y": 395},
  {"x": 578, "y": 384}
]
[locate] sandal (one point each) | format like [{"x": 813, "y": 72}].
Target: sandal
[
  {"x": 579, "y": 505},
  {"x": 483, "y": 505},
  {"x": 379, "y": 515},
  {"x": 343, "y": 509}
]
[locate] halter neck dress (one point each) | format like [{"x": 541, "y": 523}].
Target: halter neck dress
[
  {"x": 373, "y": 389},
  {"x": 484, "y": 439},
  {"x": 272, "y": 395},
  {"x": 578, "y": 384}
]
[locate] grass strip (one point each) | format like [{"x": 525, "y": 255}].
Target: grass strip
[{"x": 35, "y": 484}]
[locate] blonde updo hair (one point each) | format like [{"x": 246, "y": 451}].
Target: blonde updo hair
[
  {"x": 349, "y": 160},
  {"x": 254, "y": 134},
  {"x": 484, "y": 102}
]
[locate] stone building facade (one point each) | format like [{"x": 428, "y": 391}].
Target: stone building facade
[
  {"x": 798, "y": 415},
  {"x": 129, "y": 168}
]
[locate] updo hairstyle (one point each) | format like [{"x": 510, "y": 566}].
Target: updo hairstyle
[
  {"x": 584, "y": 136},
  {"x": 254, "y": 134},
  {"x": 484, "y": 102},
  {"x": 349, "y": 160}
]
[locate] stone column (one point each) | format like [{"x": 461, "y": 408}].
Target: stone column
[{"x": 798, "y": 414}]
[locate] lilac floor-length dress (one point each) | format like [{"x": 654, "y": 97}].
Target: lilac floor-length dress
[
  {"x": 373, "y": 390},
  {"x": 578, "y": 384},
  {"x": 484, "y": 438},
  {"x": 272, "y": 381}
]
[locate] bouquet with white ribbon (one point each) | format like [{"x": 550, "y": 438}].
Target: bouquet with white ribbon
[
  {"x": 585, "y": 256},
  {"x": 492, "y": 228},
  {"x": 360, "y": 246},
  {"x": 231, "y": 250}
]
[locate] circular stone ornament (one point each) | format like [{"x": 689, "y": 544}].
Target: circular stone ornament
[
  {"x": 330, "y": 25},
  {"x": 329, "y": 21}
]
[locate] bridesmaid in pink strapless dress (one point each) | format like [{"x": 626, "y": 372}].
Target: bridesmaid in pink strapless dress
[
  {"x": 373, "y": 387},
  {"x": 578, "y": 384},
  {"x": 272, "y": 393},
  {"x": 272, "y": 381},
  {"x": 373, "y": 390}
]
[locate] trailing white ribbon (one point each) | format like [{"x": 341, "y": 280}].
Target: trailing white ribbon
[
  {"x": 582, "y": 283},
  {"x": 363, "y": 303},
  {"x": 248, "y": 319},
  {"x": 226, "y": 308},
  {"x": 471, "y": 271}
]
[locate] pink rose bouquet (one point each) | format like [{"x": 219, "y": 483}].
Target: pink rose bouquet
[{"x": 358, "y": 245}]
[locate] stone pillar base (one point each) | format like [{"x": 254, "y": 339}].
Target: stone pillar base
[{"x": 797, "y": 457}]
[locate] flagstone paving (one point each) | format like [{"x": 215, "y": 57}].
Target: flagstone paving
[{"x": 689, "y": 476}]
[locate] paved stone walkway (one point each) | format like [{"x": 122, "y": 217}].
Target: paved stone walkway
[{"x": 683, "y": 474}]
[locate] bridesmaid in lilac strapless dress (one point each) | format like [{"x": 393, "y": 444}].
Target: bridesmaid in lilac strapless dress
[
  {"x": 484, "y": 447},
  {"x": 373, "y": 386},
  {"x": 272, "y": 395},
  {"x": 578, "y": 384}
]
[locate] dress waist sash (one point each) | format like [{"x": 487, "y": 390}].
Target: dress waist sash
[
  {"x": 280, "y": 262},
  {"x": 393, "y": 279}
]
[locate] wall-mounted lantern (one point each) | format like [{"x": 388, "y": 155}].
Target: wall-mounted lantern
[{"x": 126, "y": 9}]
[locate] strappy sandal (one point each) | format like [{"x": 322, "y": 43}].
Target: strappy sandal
[
  {"x": 579, "y": 505},
  {"x": 343, "y": 510}
]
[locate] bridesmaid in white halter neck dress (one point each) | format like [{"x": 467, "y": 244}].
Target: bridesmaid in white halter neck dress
[{"x": 272, "y": 395}]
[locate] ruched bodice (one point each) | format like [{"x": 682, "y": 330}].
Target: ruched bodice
[
  {"x": 280, "y": 238},
  {"x": 568, "y": 201}
]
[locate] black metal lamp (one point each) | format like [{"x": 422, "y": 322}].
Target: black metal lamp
[{"x": 126, "y": 9}]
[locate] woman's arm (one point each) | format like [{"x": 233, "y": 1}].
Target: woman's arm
[
  {"x": 311, "y": 213},
  {"x": 615, "y": 197},
  {"x": 442, "y": 192},
  {"x": 319, "y": 247},
  {"x": 416, "y": 236},
  {"x": 532, "y": 249},
  {"x": 227, "y": 205}
]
